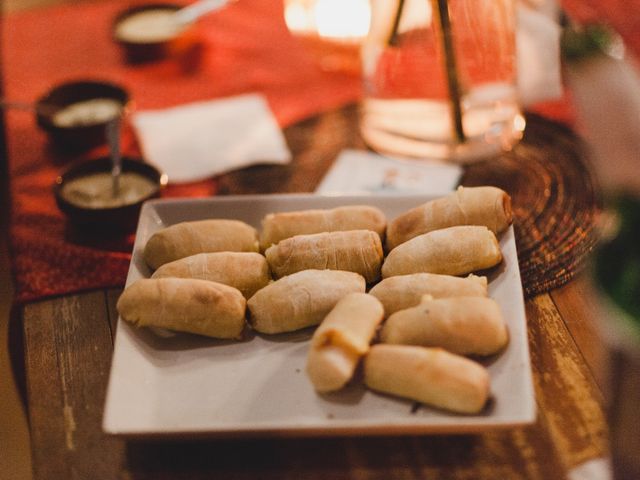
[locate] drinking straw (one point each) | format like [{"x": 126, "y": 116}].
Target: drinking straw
[
  {"x": 113, "y": 139},
  {"x": 393, "y": 37},
  {"x": 444, "y": 22},
  {"x": 453, "y": 85}
]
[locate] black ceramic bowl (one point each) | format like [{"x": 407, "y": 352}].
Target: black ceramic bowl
[
  {"x": 115, "y": 218},
  {"x": 81, "y": 134},
  {"x": 140, "y": 49}
]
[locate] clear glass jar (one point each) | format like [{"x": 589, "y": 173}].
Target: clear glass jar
[{"x": 440, "y": 79}]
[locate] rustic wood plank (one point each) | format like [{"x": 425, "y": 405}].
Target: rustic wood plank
[
  {"x": 519, "y": 453},
  {"x": 580, "y": 307},
  {"x": 566, "y": 391},
  {"x": 516, "y": 454},
  {"x": 570, "y": 427},
  {"x": 68, "y": 350},
  {"x": 568, "y": 431}
]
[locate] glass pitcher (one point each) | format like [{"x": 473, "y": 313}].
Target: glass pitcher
[{"x": 440, "y": 79}]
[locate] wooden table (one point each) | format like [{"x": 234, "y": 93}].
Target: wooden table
[{"x": 69, "y": 341}]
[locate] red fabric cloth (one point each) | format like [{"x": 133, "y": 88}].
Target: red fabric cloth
[{"x": 246, "y": 48}]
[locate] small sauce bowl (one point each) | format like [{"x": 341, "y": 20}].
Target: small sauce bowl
[
  {"x": 83, "y": 193},
  {"x": 75, "y": 114},
  {"x": 146, "y": 33}
]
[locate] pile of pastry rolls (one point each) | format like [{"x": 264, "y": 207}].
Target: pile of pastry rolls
[{"x": 424, "y": 313}]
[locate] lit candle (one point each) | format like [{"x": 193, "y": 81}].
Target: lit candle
[{"x": 335, "y": 20}]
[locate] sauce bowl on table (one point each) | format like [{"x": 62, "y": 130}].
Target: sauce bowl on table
[
  {"x": 149, "y": 32},
  {"x": 84, "y": 193},
  {"x": 75, "y": 114}
]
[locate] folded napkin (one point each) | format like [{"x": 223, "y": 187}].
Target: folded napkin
[
  {"x": 199, "y": 140},
  {"x": 360, "y": 172}
]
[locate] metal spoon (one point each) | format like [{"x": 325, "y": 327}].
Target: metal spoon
[
  {"x": 191, "y": 13},
  {"x": 113, "y": 139}
]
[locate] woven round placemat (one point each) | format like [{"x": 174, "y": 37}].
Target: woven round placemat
[{"x": 555, "y": 201}]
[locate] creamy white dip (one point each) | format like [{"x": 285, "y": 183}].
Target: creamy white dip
[
  {"x": 96, "y": 190},
  {"x": 87, "y": 112},
  {"x": 149, "y": 26}
]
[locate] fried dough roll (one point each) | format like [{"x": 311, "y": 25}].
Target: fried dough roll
[
  {"x": 463, "y": 325},
  {"x": 278, "y": 226},
  {"x": 300, "y": 300},
  {"x": 450, "y": 251},
  {"x": 341, "y": 340},
  {"x": 203, "y": 236},
  {"x": 246, "y": 271},
  {"x": 185, "y": 305},
  {"x": 428, "y": 375},
  {"x": 404, "y": 291},
  {"x": 358, "y": 251},
  {"x": 487, "y": 206}
]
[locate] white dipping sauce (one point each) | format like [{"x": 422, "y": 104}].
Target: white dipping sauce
[
  {"x": 87, "y": 112},
  {"x": 96, "y": 190},
  {"x": 149, "y": 26}
]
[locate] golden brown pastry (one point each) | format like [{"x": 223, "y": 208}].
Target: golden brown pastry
[
  {"x": 203, "y": 236},
  {"x": 428, "y": 375},
  {"x": 246, "y": 271},
  {"x": 358, "y": 251},
  {"x": 278, "y": 226},
  {"x": 300, "y": 300},
  {"x": 462, "y": 325},
  {"x": 488, "y": 206},
  {"x": 450, "y": 251},
  {"x": 185, "y": 305},
  {"x": 404, "y": 291},
  {"x": 341, "y": 340}
]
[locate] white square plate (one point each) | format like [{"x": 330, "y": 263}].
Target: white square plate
[{"x": 181, "y": 384}]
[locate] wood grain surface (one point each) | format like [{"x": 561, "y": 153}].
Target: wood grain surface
[{"x": 68, "y": 347}]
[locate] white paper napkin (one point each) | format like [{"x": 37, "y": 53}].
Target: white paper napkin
[
  {"x": 199, "y": 140},
  {"x": 361, "y": 172}
]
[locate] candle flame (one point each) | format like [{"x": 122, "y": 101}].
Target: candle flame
[{"x": 333, "y": 19}]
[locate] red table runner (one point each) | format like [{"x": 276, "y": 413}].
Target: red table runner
[{"x": 247, "y": 48}]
